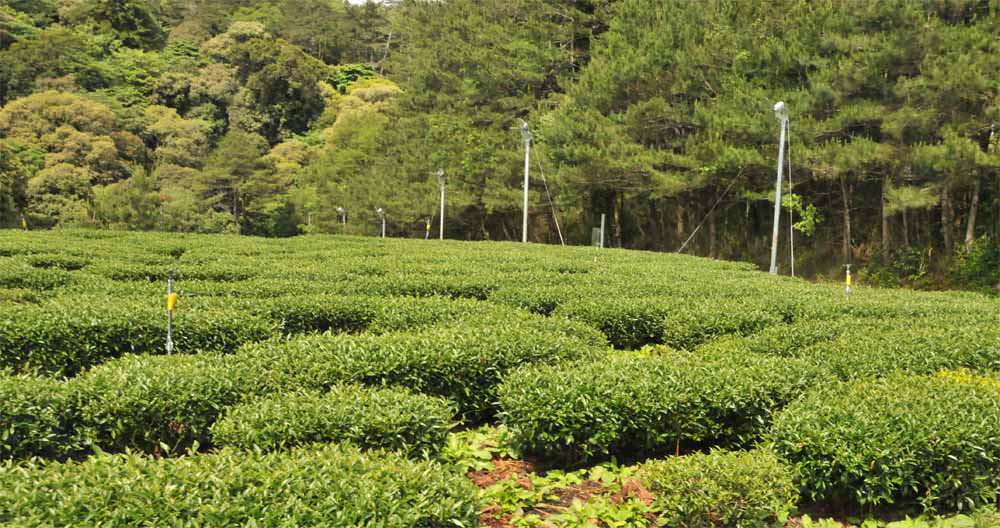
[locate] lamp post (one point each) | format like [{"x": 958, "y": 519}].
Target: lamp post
[
  {"x": 381, "y": 213},
  {"x": 526, "y": 134},
  {"x": 343, "y": 215},
  {"x": 781, "y": 112},
  {"x": 442, "y": 180}
]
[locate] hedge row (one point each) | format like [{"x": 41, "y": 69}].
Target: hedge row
[
  {"x": 851, "y": 349},
  {"x": 147, "y": 402},
  {"x": 369, "y": 418},
  {"x": 316, "y": 486},
  {"x": 908, "y": 441},
  {"x": 636, "y": 406},
  {"x": 720, "y": 489},
  {"x": 70, "y": 334}
]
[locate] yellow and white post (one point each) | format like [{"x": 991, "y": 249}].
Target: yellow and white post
[
  {"x": 848, "y": 281},
  {"x": 171, "y": 304}
]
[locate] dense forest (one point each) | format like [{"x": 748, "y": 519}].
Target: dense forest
[{"x": 264, "y": 117}]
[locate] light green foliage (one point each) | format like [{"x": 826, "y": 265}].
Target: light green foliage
[
  {"x": 636, "y": 406},
  {"x": 314, "y": 486},
  {"x": 720, "y": 489},
  {"x": 394, "y": 419},
  {"x": 903, "y": 441}
]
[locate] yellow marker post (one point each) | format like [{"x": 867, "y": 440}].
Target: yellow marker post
[
  {"x": 171, "y": 304},
  {"x": 427, "y": 230},
  {"x": 848, "y": 281}
]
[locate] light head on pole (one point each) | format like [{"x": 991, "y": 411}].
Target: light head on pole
[
  {"x": 340, "y": 210},
  {"x": 441, "y": 178},
  {"x": 780, "y": 111},
  {"x": 380, "y": 211},
  {"x": 525, "y": 131}
]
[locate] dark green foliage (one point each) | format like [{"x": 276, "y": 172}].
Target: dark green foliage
[
  {"x": 719, "y": 489},
  {"x": 979, "y": 266},
  {"x": 316, "y": 486},
  {"x": 36, "y": 419},
  {"x": 628, "y": 323},
  {"x": 640, "y": 405},
  {"x": 370, "y": 418},
  {"x": 904, "y": 441}
]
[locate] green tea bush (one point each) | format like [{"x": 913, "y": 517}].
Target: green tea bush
[
  {"x": 36, "y": 419},
  {"x": 906, "y": 441},
  {"x": 720, "y": 488},
  {"x": 66, "y": 336},
  {"x": 155, "y": 404},
  {"x": 15, "y": 273},
  {"x": 635, "y": 406},
  {"x": 694, "y": 323},
  {"x": 627, "y": 323},
  {"x": 463, "y": 363},
  {"x": 317, "y": 486},
  {"x": 370, "y": 418}
]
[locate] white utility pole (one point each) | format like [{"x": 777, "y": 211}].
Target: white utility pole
[
  {"x": 526, "y": 134},
  {"x": 782, "y": 114},
  {"x": 381, "y": 213},
  {"x": 441, "y": 180},
  {"x": 602, "y": 230}
]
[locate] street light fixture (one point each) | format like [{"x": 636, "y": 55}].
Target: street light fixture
[
  {"x": 381, "y": 213},
  {"x": 343, "y": 215},
  {"x": 780, "y": 112},
  {"x": 526, "y": 134},
  {"x": 442, "y": 180}
]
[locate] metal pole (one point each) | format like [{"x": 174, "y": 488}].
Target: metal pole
[
  {"x": 442, "y": 180},
  {"x": 602, "y": 230},
  {"x": 527, "y": 167},
  {"x": 777, "y": 199},
  {"x": 170, "y": 313},
  {"x": 383, "y": 226}
]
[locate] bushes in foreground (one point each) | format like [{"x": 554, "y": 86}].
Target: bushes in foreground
[
  {"x": 36, "y": 418},
  {"x": 315, "y": 486},
  {"x": 908, "y": 441},
  {"x": 633, "y": 405},
  {"x": 369, "y": 418},
  {"x": 719, "y": 489}
]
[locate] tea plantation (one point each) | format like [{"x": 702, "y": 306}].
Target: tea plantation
[{"x": 337, "y": 381}]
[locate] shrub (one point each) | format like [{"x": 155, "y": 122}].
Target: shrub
[
  {"x": 151, "y": 402},
  {"x": 627, "y": 323},
  {"x": 36, "y": 419},
  {"x": 17, "y": 274},
  {"x": 464, "y": 363},
  {"x": 637, "y": 406},
  {"x": 720, "y": 489},
  {"x": 694, "y": 323},
  {"x": 905, "y": 441},
  {"x": 316, "y": 486},
  {"x": 369, "y": 418},
  {"x": 71, "y": 334}
]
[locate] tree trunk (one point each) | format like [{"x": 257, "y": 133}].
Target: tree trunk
[
  {"x": 679, "y": 211},
  {"x": 970, "y": 226},
  {"x": 886, "y": 242},
  {"x": 947, "y": 219},
  {"x": 906, "y": 230},
  {"x": 711, "y": 236},
  {"x": 846, "y": 249},
  {"x": 618, "y": 220}
]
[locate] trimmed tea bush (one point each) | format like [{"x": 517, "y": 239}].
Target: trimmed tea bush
[
  {"x": 369, "y": 418},
  {"x": 627, "y": 323},
  {"x": 636, "y": 405},
  {"x": 149, "y": 403},
  {"x": 693, "y": 323},
  {"x": 720, "y": 488},
  {"x": 36, "y": 418},
  {"x": 924, "y": 441},
  {"x": 463, "y": 363},
  {"x": 316, "y": 486},
  {"x": 63, "y": 337}
]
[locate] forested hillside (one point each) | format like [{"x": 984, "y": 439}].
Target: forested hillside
[{"x": 264, "y": 116}]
